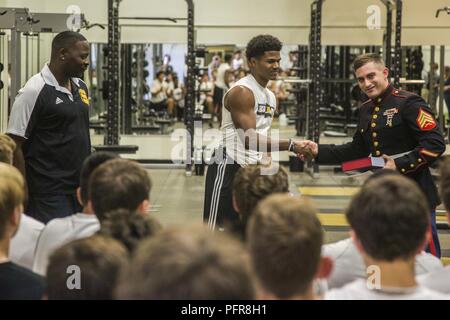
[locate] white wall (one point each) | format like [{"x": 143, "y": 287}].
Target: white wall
[{"x": 235, "y": 21}]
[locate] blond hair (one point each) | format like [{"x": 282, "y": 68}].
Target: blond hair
[
  {"x": 11, "y": 193},
  {"x": 7, "y": 147}
]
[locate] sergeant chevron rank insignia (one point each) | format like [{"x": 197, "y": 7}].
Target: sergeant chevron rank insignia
[{"x": 425, "y": 121}]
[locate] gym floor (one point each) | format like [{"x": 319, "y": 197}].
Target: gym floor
[{"x": 178, "y": 200}]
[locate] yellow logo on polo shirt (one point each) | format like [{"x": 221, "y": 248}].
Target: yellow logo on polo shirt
[{"x": 83, "y": 96}]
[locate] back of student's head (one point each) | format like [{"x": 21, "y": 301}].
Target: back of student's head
[
  {"x": 390, "y": 218},
  {"x": 85, "y": 269},
  {"x": 129, "y": 227},
  {"x": 445, "y": 182},
  {"x": 11, "y": 194},
  {"x": 380, "y": 173},
  {"x": 116, "y": 184},
  {"x": 188, "y": 263},
  {"x": 285, "y": 239},
  {"x": 251, "y": 185},
  {"x": 89, "y": 165},
  {"x": 7, "y": 147}
]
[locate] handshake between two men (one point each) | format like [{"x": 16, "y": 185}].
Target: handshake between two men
[{"x": 307, "y": 150}]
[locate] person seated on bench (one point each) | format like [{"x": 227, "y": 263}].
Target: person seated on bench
[
  {"x": 160, "y": 100},
  {"x": 206, "y": 93}
]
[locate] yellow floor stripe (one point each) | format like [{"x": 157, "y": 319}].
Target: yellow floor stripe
[
  {"x": 328, "y": 191},
  {"x": 339, "y": 220},
  {"x": 332, "y": 219}
]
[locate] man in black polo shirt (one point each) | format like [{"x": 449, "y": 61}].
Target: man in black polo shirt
[{"x": 49, "y": 121}]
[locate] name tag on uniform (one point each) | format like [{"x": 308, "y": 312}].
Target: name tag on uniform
[{"x": 390, "y": 113}]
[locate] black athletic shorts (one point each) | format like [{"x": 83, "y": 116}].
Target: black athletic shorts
[
  {"x": 218, "y": 209},
  {"x": 217, "y": 96}
]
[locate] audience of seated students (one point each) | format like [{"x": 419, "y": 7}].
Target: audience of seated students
[
  {"x": 188, "y": 263},
  {"x": 390, "y": 225},
  {"x": 284, "y": 238},
  {"x": 23, "y": 244},
  {"x": 349, "y": 264},
  {"x": 16, "y": 282},
  {"x": 80, "y": 225},
  {"x": 122, "y": 252},
  {"x": 85, "y": 269},
  {"x": 251, "y": 185},
  {"x": 440, "y": 280},
  {"x": 129, "y": 227}
]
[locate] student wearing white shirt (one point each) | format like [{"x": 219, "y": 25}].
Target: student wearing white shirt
[
  {"x": 440, "y": 280},
  {"x": 60, "y": 231},
  {"x": 357, "y": 290},
  {"x": 16, "y": 282},
  {"x": 390, "y": 226},
  {"x": 349, "y": 264},
  {"x": 23, "y": 244}
]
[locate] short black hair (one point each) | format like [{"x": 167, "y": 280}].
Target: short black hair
[
  {"x": 260, "y": 44},
  {"x": 390, "y": 217},
  {"x": 65, "y": 39},
  {"x": 89, "y": 165}
]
